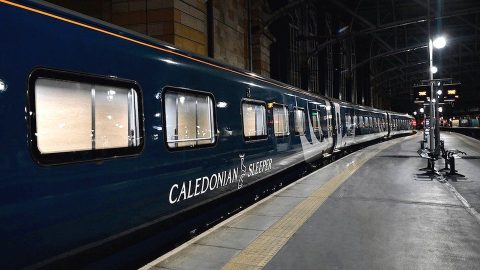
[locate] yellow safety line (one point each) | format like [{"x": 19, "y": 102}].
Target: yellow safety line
[{"x": 262, "y": 249}]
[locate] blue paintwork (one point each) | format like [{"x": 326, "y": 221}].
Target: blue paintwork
[{"x": 49, "y": 210}]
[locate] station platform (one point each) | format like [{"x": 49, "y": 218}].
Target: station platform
[{"x": 371, "y": 209}]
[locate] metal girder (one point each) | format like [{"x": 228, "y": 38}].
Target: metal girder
[
  {"x": 401, "y": 23},
  {"x": 281, "y": 12},
  {"x": 398, "y": 67},
  {"x": 421, "y": 3},
  {"x": 392, "y": 52},
  {"x": 369, "y": 24},
  {"x": 420, "y": 73}
]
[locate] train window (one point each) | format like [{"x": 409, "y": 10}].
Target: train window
[
  {"x": 188, "y": 118},
  {"x": 280, "y": 120},
  {"x": 254, "y": 119},
  {"x": 299, "y": 121},
  {"x": 316, "y": 120},
  {"x": 82, "y": 117}
]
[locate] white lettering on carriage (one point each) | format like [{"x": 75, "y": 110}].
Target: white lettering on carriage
[{"x": 193, "y": 188}]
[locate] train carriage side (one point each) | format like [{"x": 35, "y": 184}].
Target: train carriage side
[
  {"x": 109, "y": 130},
  {"x": 399, "y": 124},
  {"x": 319, "y": 138},
  {"x": 123, "y": 131},
  {"x": 355, "y": 124},
  {"x": 366, "y": 124}
]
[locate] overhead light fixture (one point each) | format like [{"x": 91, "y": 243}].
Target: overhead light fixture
[
  {"x": 439, "y": 92},
  {"x": 343, "y": 29},
  {"x": 440, "y": 109},
  {"x": 433, "y": 69},
  {"x": 415, "y": 113},
  {"x": 422, "y": 110},
  {"x": 439, "y": 42}
]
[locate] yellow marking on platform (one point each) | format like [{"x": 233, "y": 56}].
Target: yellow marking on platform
[{"x": 262, "y": 249}]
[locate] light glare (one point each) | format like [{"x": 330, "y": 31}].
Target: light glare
[
  {"x": 222, "y": 104},
  {"x": 3, "y": 86},
  {"x": 439, "y": 42}
]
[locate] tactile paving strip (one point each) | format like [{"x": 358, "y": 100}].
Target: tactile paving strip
[{"x": 262, "y": 249}]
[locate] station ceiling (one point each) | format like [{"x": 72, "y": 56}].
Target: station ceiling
[{"x": 392, "y": 36}]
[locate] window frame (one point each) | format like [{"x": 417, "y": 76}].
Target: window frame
[
  {"x": 295, "y": 109},
  {"x": 61, "y": 158},
  {"x": 176, "y": 89},
  {"x": 287, "y": 120},
  {"x": 254, "y": 102},
  {"x": 318, "y": 130}
]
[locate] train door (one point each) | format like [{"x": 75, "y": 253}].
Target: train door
[
  {"x": 338, "y": 126},
  {"x": 329, "y": 126},
  {"x": 353, "y": 124},
  {"x": 316, "y": 127},
  {"x": 389, "y": 124},
  {"x": 329, "y": 120}
]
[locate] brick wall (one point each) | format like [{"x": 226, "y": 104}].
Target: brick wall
[
  {"x": 262, "y": 38},
  {"x": 183, "y": 23},
  {"x": 230, "y": 37},
  {"x": 179, "y": 22}
]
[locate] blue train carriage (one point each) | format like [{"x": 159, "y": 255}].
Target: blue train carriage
[
  {"x": 400, "y": 124},
  {"x": 123, "y": 132},
  {"x": 312, "y": 123},
  {"x": 356, "y": 124},
  {"x": 111, "y": 132},
  {"x": 372, "y": 124}
]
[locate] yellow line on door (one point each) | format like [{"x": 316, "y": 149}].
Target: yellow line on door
[{"x": 262, "y": 249}]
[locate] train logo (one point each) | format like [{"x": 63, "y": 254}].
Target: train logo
[
  {"x": 243, "y": 169},
  {"x": 195, "y": 187}
]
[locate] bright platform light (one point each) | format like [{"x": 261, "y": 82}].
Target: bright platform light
[
  {"x": 3, "y": 86},
  {"x": 415, "y": 113},
  {"x": 434, "y": 69},
  {"x": 439, "y": 42},
  {"x": 422, "y": 110},
  {"x": 440, "y": 109},
  {"x": 439, "y": 92}
]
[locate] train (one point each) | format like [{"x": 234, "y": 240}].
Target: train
[{"x": 114, "y": 142}]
